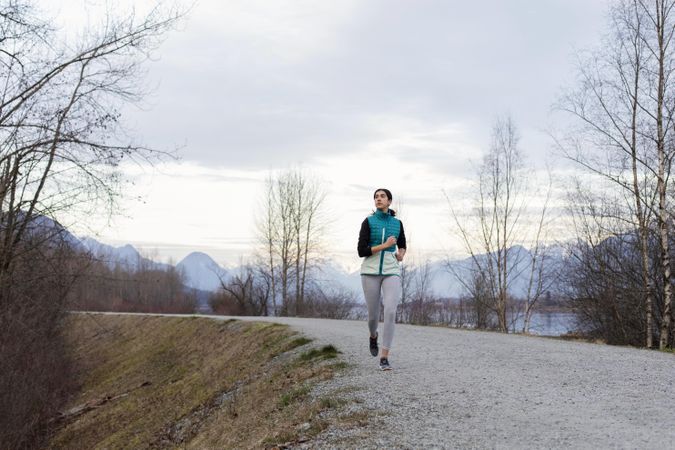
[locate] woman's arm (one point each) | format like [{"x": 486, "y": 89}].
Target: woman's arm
[
  {"x": 364, "y": 238},
  {"x": 401, "y": 243}
]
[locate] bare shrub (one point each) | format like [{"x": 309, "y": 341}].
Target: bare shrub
[
  {"x": 245, "y": 294},
  {"x": 36, "y": 370},
  {"x": 330, "y": 301},
  {"x": 141, "y": 289},
  {"x": 606, "y": 290}
]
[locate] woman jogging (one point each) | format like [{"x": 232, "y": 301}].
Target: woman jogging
[{"x": 380, "y": 234}]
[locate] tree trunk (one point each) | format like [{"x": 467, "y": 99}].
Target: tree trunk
[
  {"x": 527, "y": 319},
  {"x": 642, "y": 222},
  {"x": 661, "y": 180}
]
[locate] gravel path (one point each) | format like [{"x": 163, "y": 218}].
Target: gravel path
[{"x": 468, "y": 389}]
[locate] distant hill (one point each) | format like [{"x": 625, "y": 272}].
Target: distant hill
[
  {"x": 51, "y": 231},
  {"x": 202, "y": 272},
  {"x": 444, "y": 274},
  {"x": 445, "y": 280},
  {"x": 125, "y": 256}
]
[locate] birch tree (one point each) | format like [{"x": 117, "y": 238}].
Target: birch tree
[
  {"x": 290, "y": 230},
  {"x": 496, "y": 223},
  {"x": 661, "y": 19},
  {"x": 541, "y": 274},
  {"x": 624, "y": 106}
]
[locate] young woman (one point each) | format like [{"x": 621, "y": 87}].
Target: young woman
[{"x": 381, "y": 233}]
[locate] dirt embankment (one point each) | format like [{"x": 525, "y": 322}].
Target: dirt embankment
[{"x": 158, "y": 382}]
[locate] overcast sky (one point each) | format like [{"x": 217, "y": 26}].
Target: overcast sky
[{"x": 364, "y": 94}]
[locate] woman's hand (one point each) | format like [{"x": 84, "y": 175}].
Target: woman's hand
[
  {"x": 400, "y": 254},
  {"x": 391, "y": 240}
]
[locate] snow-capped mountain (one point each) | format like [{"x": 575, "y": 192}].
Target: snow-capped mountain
[{"x": 202, "y": 272}]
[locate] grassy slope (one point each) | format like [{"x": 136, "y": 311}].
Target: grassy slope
[{"x": 190, "y": 382}]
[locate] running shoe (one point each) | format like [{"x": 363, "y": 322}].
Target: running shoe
[
  {"x": 374, "y": 349},
  {"x": 384, "y": 364}
]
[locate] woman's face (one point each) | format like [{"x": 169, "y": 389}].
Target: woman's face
[{"x": 381, "y": 200}]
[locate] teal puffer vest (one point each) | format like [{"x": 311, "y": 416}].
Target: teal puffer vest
[{"x": 382, "y": 226}]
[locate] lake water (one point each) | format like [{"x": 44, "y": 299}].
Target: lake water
[
  {"x": 549, "y": 324},
  {"x": 542, "y": 324}
]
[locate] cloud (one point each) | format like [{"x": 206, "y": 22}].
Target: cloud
[
  {"x": 262, "y": 85},
  {"x": 381, "y": 93}
]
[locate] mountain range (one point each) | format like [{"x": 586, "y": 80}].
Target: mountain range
[
  {"x": 200, "y": 270},
  {"x": 204, "y": 274}
]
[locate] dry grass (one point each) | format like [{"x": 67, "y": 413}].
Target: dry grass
[{"x": 158, "y": 382}]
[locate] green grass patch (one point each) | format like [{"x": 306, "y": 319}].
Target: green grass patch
[
  {"x": 293, "y": 395},
  {"x": 299, "y": 342},
  {"x": 340, "y": 365},
  {"x": 325, "y": 352},
  {"x": 331, "y": 402}
]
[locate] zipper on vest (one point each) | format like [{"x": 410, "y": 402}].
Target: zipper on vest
[{"x": 382, "y": 252}]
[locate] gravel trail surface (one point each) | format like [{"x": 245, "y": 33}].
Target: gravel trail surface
[{"x": 469, "y": 389}]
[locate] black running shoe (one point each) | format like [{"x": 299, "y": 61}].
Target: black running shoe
[
  {"x": 384, "y": 364},
  {"x": 374, "y": 349}
]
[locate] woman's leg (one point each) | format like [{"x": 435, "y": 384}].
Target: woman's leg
[
  {"x": 391, "y": 295},
  {"x": 371, "y": 291}
]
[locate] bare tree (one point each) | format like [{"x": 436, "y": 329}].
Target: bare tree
[
  {"x": 308, "y": 227},
  {"x": 407, "y": 277},
  {"x": 423, "y": 300},
  {"x": 625, "y": 106},
  {"x": 61, "y": 145},
  {"x": 408, "y": 269},
  {"x": 267, "y": 234},
  {"x": 502, "y": 191},
  {"x": 661, "y": 18},
  {"x": 290, "y": 231},
  {"x": 58, "y": 116},
  {"x": 542, "y": 274},
  {"x": 246, "y": 293}
]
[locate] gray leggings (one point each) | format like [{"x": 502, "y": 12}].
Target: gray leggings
[{"x": 390, "y": 286}]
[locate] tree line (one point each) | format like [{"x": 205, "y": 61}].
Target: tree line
[{"x": 143, "y": 287}]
